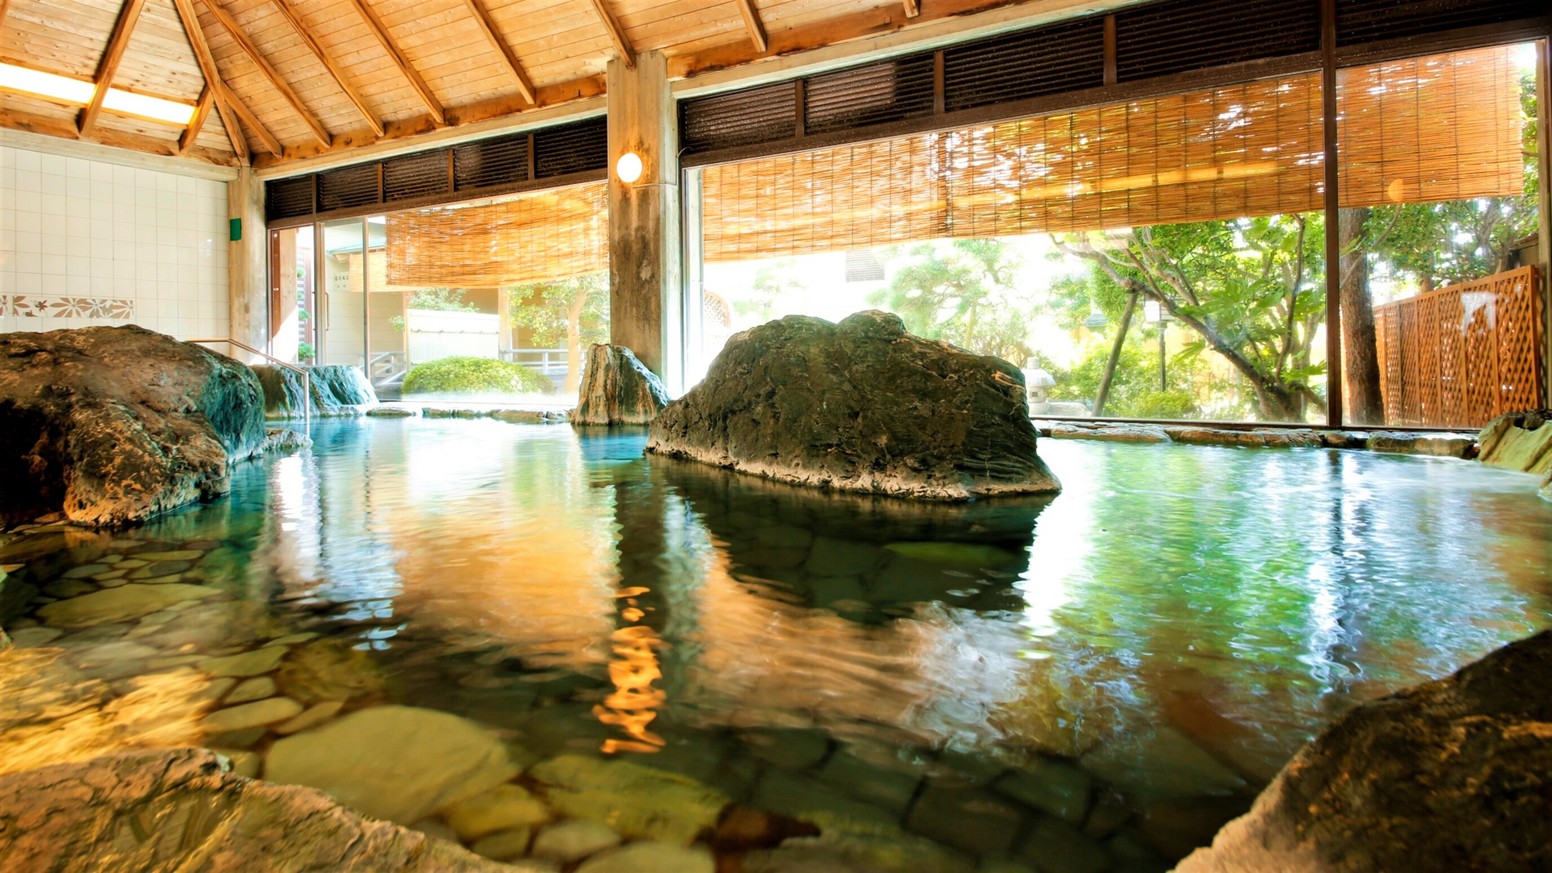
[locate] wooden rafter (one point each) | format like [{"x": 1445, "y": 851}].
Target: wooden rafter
[
  {"x": 375, "y": 24},
  {"x": 616, "y": 33},
  {"x": 207, "y": 68},
  {"x": 912, "y": 8},
  {"x": 270, "y": 74},
  {"x": 5, "y": 6},
  {"x": 756, "y": 26},
  {"x": 251, "y": 121},
  {"x": 207, "y": 101},
  {"x": 129, "y": 13},
  {"x": 491, "y": 33},
  {"x": 328, "y": 63}
]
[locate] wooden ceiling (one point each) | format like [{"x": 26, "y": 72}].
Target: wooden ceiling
[{"x": 276, "y": 81}]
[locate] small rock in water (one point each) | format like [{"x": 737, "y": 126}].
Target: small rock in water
[
  {"x": 256, "y": 688},
  {"x": 502, "y": 845},
  {"x": 246, "y": 663},
  {"x": 250, "y": 715},
  {"x": 571, "y": 841},
  {"x": 651, "y": 857},
  {"x": 394, "y": 762},
  {"x": 635, "y": 800},
  {"x": 501, "y": 808},
  {"x": 244, "y": 762},
  {"x": 314, "y": 715},
  {"x": 120, "y": 604},
  {"x": 32, "y": 637}
]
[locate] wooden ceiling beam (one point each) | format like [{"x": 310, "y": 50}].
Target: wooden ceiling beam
[
  {"x": 5, "y": 6},
  {"x": 755, "y": 26},
  {"x": 616, "y": 33},
  {"x": 129, "y": 13},
  {"x": 270, "y": 74},
  {"x": 252, "y": 122},
  {"x": 207, "y": 101},
  {"x": 912, "y": 8},
  {"x": 212, "y": 74},
  {"x": 488, "y": 25},
  {"x": 64, "y": 128},
  {"x": 406, "y": 69},
  {"x": 340, "y": 78}
]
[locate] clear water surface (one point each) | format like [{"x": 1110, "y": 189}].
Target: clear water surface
[{"x": 1117, "y": 669}]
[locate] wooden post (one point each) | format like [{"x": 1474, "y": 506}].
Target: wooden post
[
  {"x": 1544, "y": 192},
  {"x": 645, "y": 293},
  {"x": 247, "y": 262}
]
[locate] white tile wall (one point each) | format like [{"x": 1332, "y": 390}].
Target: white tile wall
[{"x": 84, "y": 242}]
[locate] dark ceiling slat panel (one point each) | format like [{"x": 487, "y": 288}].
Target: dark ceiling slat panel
[
  {"x": 738, "y": 118},
  {"x": 1361, "y": 21},
  {"x": 571, "y": 148},
  {"x": 501, "y": 160},
  {"x": 893, "y": 90},
  {"x": 1184, "y": 35},
  {"x": 415, "y": 175},
  {"x": 1033, "y": 63},
  {"x": 347, "y": 187}
]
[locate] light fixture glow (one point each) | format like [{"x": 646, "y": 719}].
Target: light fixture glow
[
  {"x": 37, "y": 83},
  {"x": 628, "y": 168},
  {"x": 63, "y": 89},
  {"x": 153, "y": 108}
]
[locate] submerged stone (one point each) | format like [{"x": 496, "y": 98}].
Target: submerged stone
[
  {"x": 112, "y": 425},
  {"x": 394, "y": 762},
  {"x": 651, "y": 857},
  {"x": 637, "y": 801},
  {"x": 120, "y": 604},
  {"x": 617, "y": 389},
  {"x": 250, "y": 715},
  {"x": 252, "y": 663},
  {"x": 859, "y": 406},
  {"x": 503, "y": 807},
  {"x": 1454, "y": 774},
  {"x": 571, "y": 841}
]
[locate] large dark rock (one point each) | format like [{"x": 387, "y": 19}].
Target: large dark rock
[
  {"x": 115, "y": 424},
  {"x": 1519, "y": 441},
  {"x": 180, "y": 810},
  {"x": 1451, "y": 775},
  {"x": 617, "y": 389},
  {"x": 336, "y": 390},
  {"x": 859, "y": 406}
]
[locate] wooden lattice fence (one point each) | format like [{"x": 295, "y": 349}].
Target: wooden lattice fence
[{"x": 1463, "y": 354}]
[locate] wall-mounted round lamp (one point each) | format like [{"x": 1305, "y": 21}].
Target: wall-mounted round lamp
[{"x": 628, "y": 167}]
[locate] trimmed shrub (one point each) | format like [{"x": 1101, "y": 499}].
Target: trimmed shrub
[{"x": 474, "y": 376}]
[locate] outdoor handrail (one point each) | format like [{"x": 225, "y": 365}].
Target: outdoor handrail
[{"x": 307, "y": 379}]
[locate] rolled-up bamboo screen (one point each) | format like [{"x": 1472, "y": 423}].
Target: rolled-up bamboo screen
[
  {"x": 532, "y": 237},
  {"x": 1437, "y": 128}
]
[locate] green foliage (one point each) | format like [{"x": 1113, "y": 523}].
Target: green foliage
[
  {"x": 962, "y": 293},
  {"x": 473, "y": 376},
  {"x": 440, "y": 300},
  {"x": 305, "y": 351},
  {"x": 1134, "y": 390},
  {"x": 565, "y": 310},
  {"x": 774, "y": 284},
  {"x": 1251, "y": 290}
]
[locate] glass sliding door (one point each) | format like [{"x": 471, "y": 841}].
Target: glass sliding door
[
  {"x": 292, "y": 268},
  {"x": 387, "y": 334},
  {"x": 341, "y": 293}
]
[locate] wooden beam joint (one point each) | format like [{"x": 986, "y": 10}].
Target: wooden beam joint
[
  {"x": 118, "y": 42},
  {"x": 488, "y": 25},
  {"x": 754, "y": 25},
  {"x": 617, "y": 36}
]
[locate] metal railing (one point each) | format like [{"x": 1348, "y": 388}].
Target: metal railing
[
  {"x": 387, "y": 368},
  {"x": 307, "y": 379},
  {"x": 549, "y": 362}
]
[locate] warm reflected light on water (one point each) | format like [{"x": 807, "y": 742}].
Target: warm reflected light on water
[{"x": 634, "y": 702}]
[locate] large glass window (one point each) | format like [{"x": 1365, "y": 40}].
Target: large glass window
[
  {"x": 1441, "y": 298},
  {"x": 1160, "y": 258},
  {"x": 488, "y": 301}
]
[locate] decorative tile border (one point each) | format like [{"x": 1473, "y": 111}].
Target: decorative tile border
[{"x": 40, "y": 306}]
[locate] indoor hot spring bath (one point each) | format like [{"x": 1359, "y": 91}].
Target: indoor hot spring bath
[{"x": 579, "y": 645}]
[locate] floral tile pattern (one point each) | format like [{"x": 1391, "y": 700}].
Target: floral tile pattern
[{"x": 39, "y": 306}]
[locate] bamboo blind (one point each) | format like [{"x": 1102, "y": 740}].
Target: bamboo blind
[
  {"x": 537, "y": 236},
  {"x": 1437, "y": 128},
  {"x": 1464, "y": 354}
]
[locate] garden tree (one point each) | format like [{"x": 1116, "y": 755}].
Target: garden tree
[
  {"x": 1360, "y": 354},
  {"x": 774, "y": 284},
  {"x": 574, "y": 310},
  {"x": 1250, "y": 289},
  {"x": 963, "y": 293}
]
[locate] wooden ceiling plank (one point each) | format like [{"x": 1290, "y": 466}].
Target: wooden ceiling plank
[
  {"x": 622, "y": 43},
  {"x": 754, "y": 24},
  {"x": 252, "y": 122},
  {"x": 109, "y": 64},
  {"x": 491, "y": 33},
  {"x": 275, "y": 79},
  {"x": 912, "y": 8},
  {"x": 375, "y": 24},
  {"x": 328, "y": 63},
  {"x": 207, "y": 101},
  {"x": 5, "y": 6},
  {"x": 207, "y": 66}
]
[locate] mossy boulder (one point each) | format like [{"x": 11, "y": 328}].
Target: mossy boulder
[
  {"x": 859, "y": 406},
  {"x": 336, "y": 390},
  {"x": 465, "y": 375},
  {"x": 112, "y": 425}
]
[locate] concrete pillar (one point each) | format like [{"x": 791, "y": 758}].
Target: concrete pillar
[
  {"x": 247, "y": 261},
  {"x": 645, "y": 289}
]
